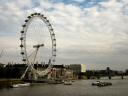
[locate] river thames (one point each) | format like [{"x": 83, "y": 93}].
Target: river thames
[{"x": 78, "y": 88}]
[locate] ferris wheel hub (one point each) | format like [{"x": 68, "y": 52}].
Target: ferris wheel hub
[{"x": 38, "y": 45}]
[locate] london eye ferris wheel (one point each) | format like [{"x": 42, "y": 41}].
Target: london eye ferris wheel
[{"x": 38, "y": 42}]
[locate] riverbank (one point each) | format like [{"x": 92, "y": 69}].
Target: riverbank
[{"x": 8, "y": 82}]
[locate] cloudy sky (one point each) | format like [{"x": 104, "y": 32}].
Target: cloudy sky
[{"x": 92, "y": 32}]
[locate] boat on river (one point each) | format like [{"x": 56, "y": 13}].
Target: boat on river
[
  {"x": 20, "y": 85},
  {"x": 67, "y": 82},
  {"x": 101, "y": 84},
  {"x": 95, "y": 83}
]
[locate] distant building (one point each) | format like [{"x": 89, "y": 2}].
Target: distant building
[
  {"x": 83, "y": 68},
  {"x": 77, "y": 69},
  {"x": 58, "y": 71}
]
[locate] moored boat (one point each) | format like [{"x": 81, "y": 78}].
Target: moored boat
[
  {"x": 95, "y": 83},
  {"x": 104, "y": 84},
  {"x": 67, "y": 82},
  {"x": 20, "y": 85},
  {"x": 101, "y": 84}
]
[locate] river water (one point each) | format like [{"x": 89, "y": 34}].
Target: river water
[{"x": 78, "y": 88}]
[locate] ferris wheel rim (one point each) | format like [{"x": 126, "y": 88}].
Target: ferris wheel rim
[{"x": 23, "y": 36}]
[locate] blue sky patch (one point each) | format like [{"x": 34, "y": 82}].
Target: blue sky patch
[{"x": 83, "y": 4}]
